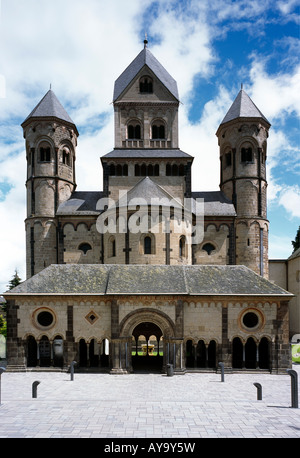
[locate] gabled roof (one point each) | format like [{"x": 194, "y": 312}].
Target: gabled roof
[
  {"x": 145, "y": 57},
  {"x": 150, "y": 193},
  {"x": 243, "y": 107},
  {"x": 104, "y": 279},
  {"x": 50, "y": 107}
]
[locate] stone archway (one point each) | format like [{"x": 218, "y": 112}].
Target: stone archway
[{"x": 150, "y": 322}]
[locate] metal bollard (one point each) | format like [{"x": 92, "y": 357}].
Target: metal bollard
[
  {"x": 2, "y": 369},
  {"x": 170, "y": 371},
  {"x": 34, "y": 388},
  {"x": 72, "y": 369},
  {"x": 222, "y": 371},
  {"x": 259, "y": 391},
  {"x": 294, "y": 387}
]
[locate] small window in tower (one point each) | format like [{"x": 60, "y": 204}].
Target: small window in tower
[
  {"x": 208, "y": 247},
  {"x": 134, "y": 131},
  {"x": 228, "y": 159},
  {"x": 66, "y": 157},
  {"x": 182, "y": 246},
  {"x": 174, "y": 170},
  {"x": 158, "y": 131},
  {"x": 143, "y": 170},
  {"x": 119, "y": 170},
  {"x": 146, "y": 85},
  {"x": 147, "y": 245},
  {"x": 181, "y": 170},
  {"x": 45, "y": 154},
  {"x": 150, "y": 170},
  {"x": 112, "y": 247},
  {"x": 84, "y": 247},
  {"x": 246, "y": 155},
  {"x": 137, "y": 170},
  {"x": 112, "y": 170}
]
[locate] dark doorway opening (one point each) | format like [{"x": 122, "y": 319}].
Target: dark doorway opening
[{"x": 147, "y": 348}]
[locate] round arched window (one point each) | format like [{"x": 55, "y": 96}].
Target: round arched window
[
  {"x": 251, "y": 320},
  {"x": 44, "y": 318}
]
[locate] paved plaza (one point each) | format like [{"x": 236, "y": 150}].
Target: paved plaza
[{"x": 141, "y": 405}]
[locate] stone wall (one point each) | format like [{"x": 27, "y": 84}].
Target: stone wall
[{"x": 180, "y": 319}]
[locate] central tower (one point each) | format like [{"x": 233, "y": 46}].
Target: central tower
[
  {"x": 146, "y": 130},
  {"x": 146, "y": 105},
  {"x": 146, "y": 161}
]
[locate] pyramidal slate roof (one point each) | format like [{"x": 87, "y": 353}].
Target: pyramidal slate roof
[
  {"x": 104, "y": 279},
  {"x": 49, "y": 107},
  {"x": 145, "y": 57},
  {"x": 243, "y": 107}
]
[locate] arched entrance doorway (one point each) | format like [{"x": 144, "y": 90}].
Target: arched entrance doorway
[
  {"x": 147, "y": 349},
  {"x": 144, "y": 331}
]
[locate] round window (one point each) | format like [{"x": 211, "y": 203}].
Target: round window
[
  {"x": 250, "y": 320},
  {"x": 45, "y": 318}
]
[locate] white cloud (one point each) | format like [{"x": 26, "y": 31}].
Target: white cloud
[
  {"x": 12, "y": 215},
  {"x": 280, "y": 94},
  {"x": 290, "y": 200},
  {"x": 287, "y": 6}
]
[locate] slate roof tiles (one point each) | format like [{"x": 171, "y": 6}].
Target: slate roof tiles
[
  {"x": 104, "y": 279},
  {"x": 145, "y": 57}
]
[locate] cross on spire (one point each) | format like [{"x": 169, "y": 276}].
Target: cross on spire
[{"x": 146, "y": 40}]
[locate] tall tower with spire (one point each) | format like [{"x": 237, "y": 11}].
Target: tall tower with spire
[
  {"x": 51, "y": 140},
  {"x": 242, "y": 137}
]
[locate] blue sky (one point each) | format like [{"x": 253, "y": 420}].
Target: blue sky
[{"x": 210, "y": 47}]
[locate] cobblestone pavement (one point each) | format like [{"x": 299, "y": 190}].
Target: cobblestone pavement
[{"x": 194, "y": 405}]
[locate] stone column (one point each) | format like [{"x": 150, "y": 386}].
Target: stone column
[
  {"x": 282, "y": 353},
  {"x": 225, "y": 350},
  {"x": 179, "y": 364},
  {"x": 70, "y": 347},
  {"x": 118, "y": 347},
  {"x": 15, "y": 347}
]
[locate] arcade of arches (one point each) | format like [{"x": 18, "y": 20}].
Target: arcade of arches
[{"x": 149, "y": 351}]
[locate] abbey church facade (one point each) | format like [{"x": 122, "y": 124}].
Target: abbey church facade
[{"x": 147, "y": 257}]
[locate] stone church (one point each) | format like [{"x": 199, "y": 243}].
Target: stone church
[{"x": 147, "y": 272}]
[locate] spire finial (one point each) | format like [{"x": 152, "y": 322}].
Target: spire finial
[
  {"x": 50, "y": 86},
  {"x": 241, "y": 86},
  {"x": 146, "y": 40}
]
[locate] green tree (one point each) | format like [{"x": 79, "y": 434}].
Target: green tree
[
  {"x": 3, "y": 326},
  {"x": 296, "y": 242},
  {"x": 15, "y": 281}
]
